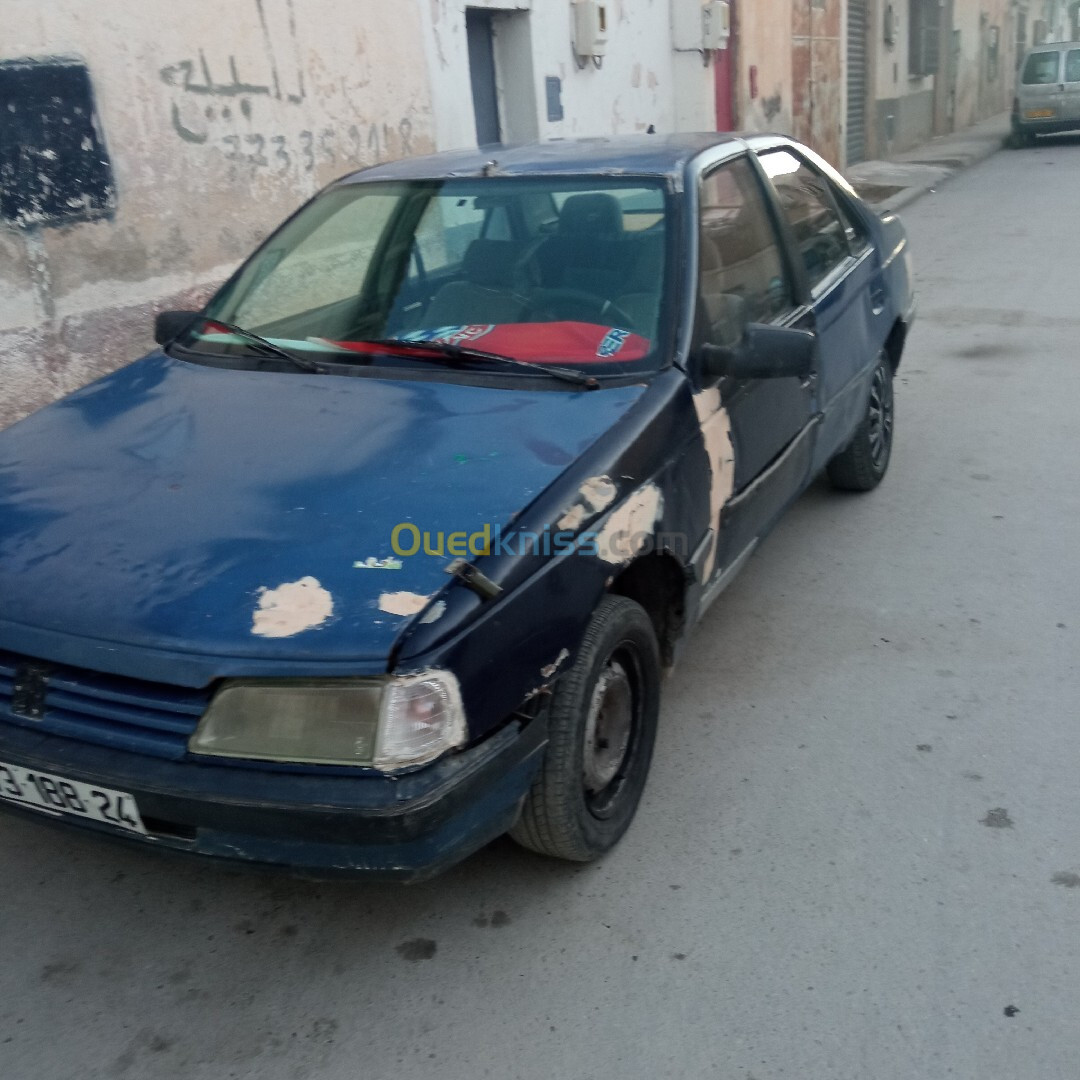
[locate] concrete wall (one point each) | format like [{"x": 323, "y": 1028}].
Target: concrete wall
[
  {"x": 903, "y": 115},
  {"x": 219, "y": 118},
  {"x": 983, "y": 88},
  {"x": 643, "y": 80}
]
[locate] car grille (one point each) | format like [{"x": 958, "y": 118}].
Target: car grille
[{"x": 108, "y": 710}]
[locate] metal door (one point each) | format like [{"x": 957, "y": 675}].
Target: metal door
[
  {"x": 856, "y": 81},
  {"x": 1070, "y": 98},
  {"x": 479, "y": 32},
  {"x": 1040, "y": 90}
]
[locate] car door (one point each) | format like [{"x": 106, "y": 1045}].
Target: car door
[
  {"x": 756, "y": 431},
  {"x": 847, "y": 290},
  {"x": 1040, "y": 89},
  {"x": 1070, "y": 99}
]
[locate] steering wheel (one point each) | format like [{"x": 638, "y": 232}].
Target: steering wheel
[{"x": 574, "y": 305}]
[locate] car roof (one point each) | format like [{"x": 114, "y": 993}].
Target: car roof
[
  {"x": 635, "y": 155},
  {"x": 1052, "y": 46}
]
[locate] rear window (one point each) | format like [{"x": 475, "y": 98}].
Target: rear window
[
  {"x": 1041, "y": 68},
  {"x": 1072, "y": 66}
]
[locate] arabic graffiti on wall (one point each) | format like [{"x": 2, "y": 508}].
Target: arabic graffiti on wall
[{"x": 259, "y": 111}]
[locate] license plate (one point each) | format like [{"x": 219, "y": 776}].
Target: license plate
[
  {"x": 57, "y": 795},
  {"x": 1039, "y": 114}
]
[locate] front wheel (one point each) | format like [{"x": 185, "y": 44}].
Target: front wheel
[
  {"x": 862, "y": 463},
  {"x": 601, "y": 730}
]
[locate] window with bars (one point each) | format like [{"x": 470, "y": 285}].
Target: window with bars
[{"x": 923, "y": 28}]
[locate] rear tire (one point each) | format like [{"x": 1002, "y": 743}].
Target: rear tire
[
  {"x": 861, "y": 465},
  {"x": 601, "y": 729}
]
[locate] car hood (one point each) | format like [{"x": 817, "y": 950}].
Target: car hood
[{"x": 180, "y": 507}]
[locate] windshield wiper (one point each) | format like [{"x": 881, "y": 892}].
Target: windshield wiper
[
  {"x": 301, "y": 362},
  {"x": 452, "y": 352}
]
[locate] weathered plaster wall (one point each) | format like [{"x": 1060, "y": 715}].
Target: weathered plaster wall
[
  {"x": 983, "y": 88},
  {"x": 219, "y": 119},
  {"x": 904, "y": 112},
  {"x": 763, "y": 98}
]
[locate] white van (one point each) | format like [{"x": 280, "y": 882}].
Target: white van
[{"x": 1047, "y": 92}]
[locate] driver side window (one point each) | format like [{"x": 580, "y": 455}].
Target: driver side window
[{"x": 741, "y": 272}]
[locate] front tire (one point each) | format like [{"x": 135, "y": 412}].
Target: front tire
[
  {"x": 861, "y": 465},
  {"x": 601, "y": 731}
]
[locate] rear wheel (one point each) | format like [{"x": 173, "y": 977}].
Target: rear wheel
[
  {"x": 862, "y": 463},
  {"x": 601, "y": 730}
]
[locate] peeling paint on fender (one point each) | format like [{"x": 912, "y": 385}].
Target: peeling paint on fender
[
  {"x": 593, "y": 497},
  {"x": 716, "y": 433},
  {"x": 438, "y": 609},
  {"x": 549, "y": 669},
  {"x": 292, "y": 608},
  {"x": 630, "y": 525},
  {"x": 402, "y": 603}
]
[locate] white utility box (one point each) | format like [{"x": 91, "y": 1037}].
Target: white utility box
[
  {"x": 715, "y": 25},
  {"x": 590, "y": 28}
]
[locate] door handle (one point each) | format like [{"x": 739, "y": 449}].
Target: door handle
[{"x": 877, "y": 299}]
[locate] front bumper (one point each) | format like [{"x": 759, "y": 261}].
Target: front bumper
[{"x": 402, "y": 827}]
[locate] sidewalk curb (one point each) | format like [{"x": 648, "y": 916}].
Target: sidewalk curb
[{"x": 909, "y": 195}]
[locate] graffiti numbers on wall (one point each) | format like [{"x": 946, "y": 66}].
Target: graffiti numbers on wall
[{"x": 307, "y": 149}]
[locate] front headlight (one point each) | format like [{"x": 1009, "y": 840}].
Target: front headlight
[{"x": 386, "y": 723}]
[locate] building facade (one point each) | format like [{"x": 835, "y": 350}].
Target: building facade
[{"x": 146, "y": 146}]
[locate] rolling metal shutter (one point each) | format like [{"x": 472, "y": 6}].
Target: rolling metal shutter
[{"x": 855, "y": 127}]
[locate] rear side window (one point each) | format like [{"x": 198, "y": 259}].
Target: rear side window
[
  {"x": 811, "y": 212},
  {"x": 739, "y": 255},
  {"x": 1041, "y": 68},
  {"x": 1072, "y": 65}
]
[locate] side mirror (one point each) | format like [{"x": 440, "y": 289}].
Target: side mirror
[
  {"x": 169, "y": 325},
  {"x": 765, "y": 352}
]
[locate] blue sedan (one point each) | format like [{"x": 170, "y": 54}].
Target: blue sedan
[{"x": 384, "y": 552}]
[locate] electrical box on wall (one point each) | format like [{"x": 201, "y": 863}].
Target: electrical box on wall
[
  {"x": 889, "y": 25},
  {"x": 715, "y": 25},
  {"x": 590, "y": 28}
]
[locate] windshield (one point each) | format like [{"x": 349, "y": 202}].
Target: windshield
[{"x": 553, "y": 271}]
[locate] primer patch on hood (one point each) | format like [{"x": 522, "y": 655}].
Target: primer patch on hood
[
  {"x": 402, "y": 603},
  {"x": 631, "y": 526},
  {"x": 292, "y": 608},
  {"x": 595, "y": 495}
]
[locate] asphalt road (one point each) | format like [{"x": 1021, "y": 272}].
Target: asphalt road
[{"x": 859, "y": 853}]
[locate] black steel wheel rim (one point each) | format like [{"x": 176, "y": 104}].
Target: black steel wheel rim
[{"x": 612, "y": 730}]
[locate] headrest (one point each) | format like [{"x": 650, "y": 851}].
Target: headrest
[
  {"x": 491, "y": 262},
  {"x": 594, "y": 214}
]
